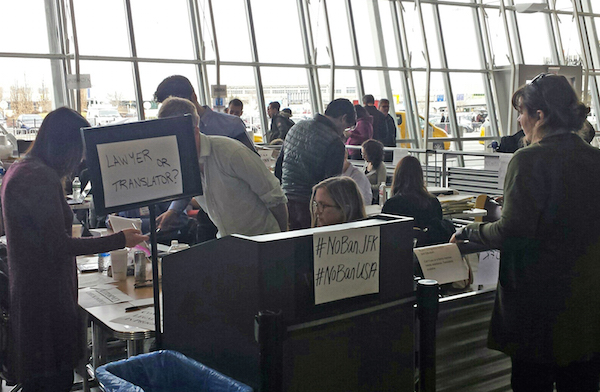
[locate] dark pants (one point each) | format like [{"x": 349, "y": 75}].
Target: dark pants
[
  {"x": 57, "y": 382},
  {"x": 583, "y": 376},
  {"x": 299, "y": 214}
]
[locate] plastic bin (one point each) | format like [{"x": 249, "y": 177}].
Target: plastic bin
[{"x": 163, "y": 371}]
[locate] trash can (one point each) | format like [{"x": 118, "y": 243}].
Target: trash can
[{"x": 163, "y": 371}]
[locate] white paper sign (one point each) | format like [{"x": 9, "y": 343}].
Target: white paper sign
[
  {"x": 267, "y": 157},
  {"x": 141, "y": 319},
  {"x": 84, "y": 81},
  {"x": 131, "y": 169},
  {"x": 488, "y": 268},
  {"x": 491, "y": 162},
  {"x": 503, "y": 165},
  {"x": 346, "y": 263},
  {"x": 398, "y": 155},
  {"x": 443, "y": 263}
]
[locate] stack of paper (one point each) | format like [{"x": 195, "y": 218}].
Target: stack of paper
[{"x": 452, "y": 204}]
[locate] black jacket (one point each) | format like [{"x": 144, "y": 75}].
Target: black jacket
[{"x": 313, "y": 151}]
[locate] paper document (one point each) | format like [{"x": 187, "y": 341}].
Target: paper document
[
  {"x": 92, "y": 280},
  {"x": 118, "y": 223},
  {"x": 87, "y": 263},
  {"x": 443, "y": 263},
  {"x": 90, "y": 297},
  {"x": 142, "y": 319}
]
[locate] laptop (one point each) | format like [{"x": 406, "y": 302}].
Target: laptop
[{"x": 84, "y": 193}]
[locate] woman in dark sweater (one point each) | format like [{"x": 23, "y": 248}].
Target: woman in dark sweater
[
  {"x": 411, "y": 198},
  {"x": 46, "y": 333}
]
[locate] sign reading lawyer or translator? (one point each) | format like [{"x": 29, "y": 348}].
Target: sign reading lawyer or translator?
[
  {"x": 443, "y": 263},
  {"x": 130, "y": 169},
  {"x": 346, "y": 263}
]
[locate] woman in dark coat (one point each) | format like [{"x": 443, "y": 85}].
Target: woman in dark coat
[
  {"x": 362, "y": 131},
  {"x": 411, "y": 198},
  {"x": 45, "y": 329},
  {"x": 547, "y": 311}
]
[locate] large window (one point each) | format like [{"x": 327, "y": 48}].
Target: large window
[{"x": 388, "y": 48}]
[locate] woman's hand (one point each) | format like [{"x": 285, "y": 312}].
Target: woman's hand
[
  {"x": 453, "y": 239},
  {"x": 134, "y": 237}
]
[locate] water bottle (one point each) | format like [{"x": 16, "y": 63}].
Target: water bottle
[
  {"x": 382, "y": 194},
  {"x": 76, "y": 189},
  {"x": 140, "y": 261},
  {"x": 103, "y": 262}
]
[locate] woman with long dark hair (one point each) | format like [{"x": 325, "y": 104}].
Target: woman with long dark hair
[
  {"x": 411, "y": 198},
  {"x": 547, "y": 309},
  {"x": 409, "y": 194},
  {"x": 46, "y": 332}
]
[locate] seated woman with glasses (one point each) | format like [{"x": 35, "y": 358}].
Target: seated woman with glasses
[{"x": 336, "y": 200}]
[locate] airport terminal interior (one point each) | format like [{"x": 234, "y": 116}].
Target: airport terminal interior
[{"x": 448, "y": 66}]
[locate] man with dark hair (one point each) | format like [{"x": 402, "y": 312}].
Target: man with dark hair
[
  {"x": 280, "y": 124},
  {"x": 235, "y": 107},
  {"x": 312, "y": 152},
  {"x": 384, "y": 107},
  {"x": 211, "y": 123},
  {"x": 380, "y": 129}
]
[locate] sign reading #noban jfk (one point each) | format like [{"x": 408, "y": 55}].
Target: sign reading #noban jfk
[{"x": 346, "y": 263}]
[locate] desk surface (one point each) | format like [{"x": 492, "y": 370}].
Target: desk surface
[
  {"x": 103, "y": 314},
  {"x": 375, "y": 209}
]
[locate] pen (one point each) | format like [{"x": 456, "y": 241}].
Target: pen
[
  {"x": 134, "y": 308},
  {"x": 148, "y": 283}
]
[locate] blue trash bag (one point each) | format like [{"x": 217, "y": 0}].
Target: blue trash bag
[{"x": 163, "y": 371}]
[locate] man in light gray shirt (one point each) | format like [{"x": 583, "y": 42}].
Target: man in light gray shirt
[
  {"x": 241, "y": 196},
  {"x": 361, "y": 180}
]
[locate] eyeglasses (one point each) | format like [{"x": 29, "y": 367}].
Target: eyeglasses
[
  {"x": 318, "y": 206},
  {"x": 539, "y": 77}
]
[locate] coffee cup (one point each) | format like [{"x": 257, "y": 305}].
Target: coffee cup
[{"x": 118, "y": 259}]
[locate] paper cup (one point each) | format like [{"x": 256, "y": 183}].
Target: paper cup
[
  {"x": 118, "y": 259},
  {"x": 76, "y": 230}
]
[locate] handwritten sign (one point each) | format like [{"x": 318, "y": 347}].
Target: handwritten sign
[
  {"x": 131, "y": 169},
  {"x": 488, "y": 268},
  {"x": 442, "y": 263},
  {"x": 346, "y": 263},
  {"x": 267, "y": 157}
]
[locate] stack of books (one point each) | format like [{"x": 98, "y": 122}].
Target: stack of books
[{"x": 454, "y": 204}]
